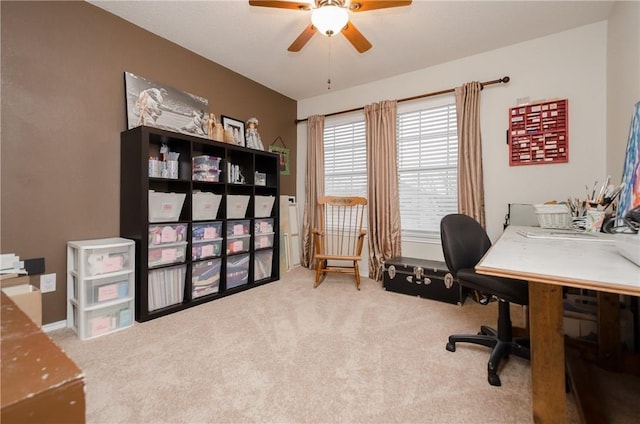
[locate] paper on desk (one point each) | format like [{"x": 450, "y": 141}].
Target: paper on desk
[{"x": 557, "y": 235}]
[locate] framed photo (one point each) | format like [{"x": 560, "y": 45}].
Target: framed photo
[
  {"x": 235, "y": 127},
  {"x": 160, "y": 106}
]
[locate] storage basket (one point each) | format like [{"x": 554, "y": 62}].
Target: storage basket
[{"x": 553, "y": 216}]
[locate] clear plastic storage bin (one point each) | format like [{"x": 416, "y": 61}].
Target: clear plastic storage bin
[
  {"x": 262, "y": 241},
  {"x": 205, "y": 277},
  {"x": 206, "y": 231},
  {"x": 166, "y": 286},
  {"x": 237, "y": 270},
  {"x": 262, "y": 265},
  {"x": 238, "y": 244},
  {"x": 167, "y": 254},
  {"x": 206, "y": 168},
  {"x": 167, "y": 233},
  {"x": 238, "y": 228},
  {"x": 206, "y": 249},
  {"x": 264, "y": 225}
]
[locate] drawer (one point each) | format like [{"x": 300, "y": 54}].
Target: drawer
[
  {"x": 104, "y": 290},
  {"x": 167, "y": 233},
  {"x": 206, "y": 231},
  {"x": 206, "y": 249},
  {"x": 98, "y": 322},
  {"x": 263, "y": 241},
  {"x": 103, "y": 260},
  {"x": 238, "y": 244},
  {"x": 261, "y": 226},
  {"x": 167, "y": 254}
]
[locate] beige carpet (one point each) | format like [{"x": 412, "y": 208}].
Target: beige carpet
[{"x": 287, "y": 353}]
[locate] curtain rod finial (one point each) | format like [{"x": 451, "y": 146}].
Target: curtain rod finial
[{"x": 505, "y": 80}]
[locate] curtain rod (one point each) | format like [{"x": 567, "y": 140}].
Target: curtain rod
[{"x": 502, "y": 80}]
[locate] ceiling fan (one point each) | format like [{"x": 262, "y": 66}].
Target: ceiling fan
[{"x": 330, "y": 17}]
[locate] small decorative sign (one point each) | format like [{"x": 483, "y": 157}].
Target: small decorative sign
[{"x": 283, "y": 152}]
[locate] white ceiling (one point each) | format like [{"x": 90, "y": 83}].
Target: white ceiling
[{"x": 253, "y": 41}]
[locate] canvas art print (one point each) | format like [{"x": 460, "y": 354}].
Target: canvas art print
[
  {"x": 160, "y": 106},
  {"x": 630, "y": 194}
]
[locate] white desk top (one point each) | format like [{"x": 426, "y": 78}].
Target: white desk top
[{"x": 555, "y": 259}]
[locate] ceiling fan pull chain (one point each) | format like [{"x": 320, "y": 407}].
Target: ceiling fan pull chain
[{"x": 329, "y": 62}]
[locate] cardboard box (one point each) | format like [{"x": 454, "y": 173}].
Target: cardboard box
[
  {"x": 10, "y": 280},
  {"x": 28, "y": 298}
]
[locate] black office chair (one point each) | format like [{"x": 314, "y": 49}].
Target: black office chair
[{"x": 464, "y": 242}]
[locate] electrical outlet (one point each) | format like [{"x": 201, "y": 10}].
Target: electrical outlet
[{"x": 47, "y": 283}]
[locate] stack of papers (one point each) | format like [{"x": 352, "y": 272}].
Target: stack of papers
[{"x": 11, "y": 264}]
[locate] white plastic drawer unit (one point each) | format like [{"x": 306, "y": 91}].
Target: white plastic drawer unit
[
  {"x": 100, "y": 286},
  {"x": 95, "y": 257}
]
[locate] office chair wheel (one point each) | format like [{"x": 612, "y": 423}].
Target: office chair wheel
[
  {"x": 451, "y": 347},
  {"x": 494, "y": 380}
]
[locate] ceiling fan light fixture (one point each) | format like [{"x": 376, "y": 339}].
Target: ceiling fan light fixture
[{"x": 329, "y": 20}]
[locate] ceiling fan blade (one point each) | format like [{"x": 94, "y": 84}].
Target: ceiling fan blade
[
  {"x": 364, "y": 5},
  {"x": 297, "y": 5},
  {"x": 356, "y": 38},
  {"x": 302, "y": 39}
]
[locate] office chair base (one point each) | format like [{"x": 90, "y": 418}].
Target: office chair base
[{"x": 501, "y": 349}]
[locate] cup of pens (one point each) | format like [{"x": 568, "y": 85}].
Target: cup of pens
[
  {"x": 594, "y": 219},
  {"x": 589, "y": 214}
]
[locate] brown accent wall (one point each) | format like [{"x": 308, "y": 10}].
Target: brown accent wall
[{"x": 62, "y": 111}]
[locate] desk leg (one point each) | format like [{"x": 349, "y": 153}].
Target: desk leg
[
  {"x": 609, "y": 345},
  {"x": 548, "y": 396}
]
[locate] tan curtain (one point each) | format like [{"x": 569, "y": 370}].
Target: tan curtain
[
  {"x": 314, "y": 185},
  {"x": 470, "y": 179},
  {"x": 383, "y": 217}
]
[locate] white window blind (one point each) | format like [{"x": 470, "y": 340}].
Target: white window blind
[
  {"x": 427, "y": 165},
  {"x": 345, "y": 159},
  {"x": 427, "y": 168}
]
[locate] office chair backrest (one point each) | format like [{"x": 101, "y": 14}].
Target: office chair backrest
[{"x": 464, "y": 241}]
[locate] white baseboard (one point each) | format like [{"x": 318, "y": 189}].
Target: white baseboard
[{"x": 54, "y": 326}]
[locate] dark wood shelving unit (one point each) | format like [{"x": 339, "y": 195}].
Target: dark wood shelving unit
[{"x": 261, "y": 248}]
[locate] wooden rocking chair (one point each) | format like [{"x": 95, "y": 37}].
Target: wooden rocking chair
[{"x": 339, "y": 236}]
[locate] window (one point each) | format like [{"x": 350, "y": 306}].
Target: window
[
  {"x": 345, "y": 159},
  {"x": 427, "y": 165},
  {"x": 427, "y": 168}
]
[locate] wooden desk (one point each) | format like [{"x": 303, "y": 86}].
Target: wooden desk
[
  {"x": 549, "y": 264},
  {"x": 39, "y": 383}
]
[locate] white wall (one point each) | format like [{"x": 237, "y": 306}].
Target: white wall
[
  {"x": 623, "y": 80},
  {"x": 570, "y": 65}
]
